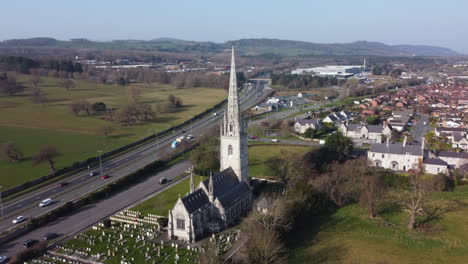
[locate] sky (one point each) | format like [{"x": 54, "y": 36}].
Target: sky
[{"x": 426, "y": 22}]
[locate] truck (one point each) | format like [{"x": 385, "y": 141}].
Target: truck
[{"x": 175, "y": 144}]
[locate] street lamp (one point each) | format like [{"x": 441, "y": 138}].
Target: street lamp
[{"x": 100, "y": 161}]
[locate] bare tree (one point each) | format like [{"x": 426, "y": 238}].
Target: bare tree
[
  {"x": 210, "y": 253},
  {"x": 38, "y": 96},
  {"x": 134, "y": 94},
  {"x": 412, "y": 199},
  {"x": 125, "y": 116},
  {"x": 46, "y": 154},
  {"x": 146, "y": 111},
  {"x": 10, "y": 86},
  {"x": 35, "y": 79},
  {"x": 340, "y": 183},
  {"x": 10, "y": 152},
  {"x": 75, "y": 107},
  {"x": 80, "y": 105},
  {"x": 106, "y": 130},
  {"x": 174, "y": 101},
  {"x": 68, "y": 84},
  {"x": 262, "y": 230},
  {"x": 373, "y": 193}
]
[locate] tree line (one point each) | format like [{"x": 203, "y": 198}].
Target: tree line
[{"x": 302, "y": 82}]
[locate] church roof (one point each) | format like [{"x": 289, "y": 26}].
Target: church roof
[
  {"x": 223, "y": 181},
  {"x": 239, "y": 191},
  {"x": 195, "y": 200}
]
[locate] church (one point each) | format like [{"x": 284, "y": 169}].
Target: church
[{"x": 222, "y": 199}]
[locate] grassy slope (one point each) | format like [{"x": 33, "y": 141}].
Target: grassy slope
[
  {"x": 348, "y": 236},
  {"x": 163, "y": 202},
  {"x": 32, "y": 125},
  {"x": 259, "y": 154}
]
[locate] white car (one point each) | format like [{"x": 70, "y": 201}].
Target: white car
[
  {"x": 275, "y": 140},
  {"x": 19, "y": 219},
  {"x": 46, "y": 202}
]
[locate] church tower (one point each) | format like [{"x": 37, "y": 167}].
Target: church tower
[{"x": 234, "y": 152}]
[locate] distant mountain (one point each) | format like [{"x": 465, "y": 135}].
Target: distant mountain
[
  {"x": 289, "y": 47},
  {"x": 249, "y": 47}
]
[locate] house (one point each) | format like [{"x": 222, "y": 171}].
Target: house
[
  {"x": 396, "y": 156},
  {"x": 460, "y": 141},
  {"x": 455, "y": 160},
  {"x": 373, "y": 133},
  {"x": 397, "y": 124},
  {"x": 338, "y": 117},
  {"x": 435, "y": 166},
  {"x": 331, "y": 119},
  {"x": 302, "y": 125}
]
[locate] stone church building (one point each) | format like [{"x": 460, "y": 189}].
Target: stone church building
[{"x": 223, "y": 198}]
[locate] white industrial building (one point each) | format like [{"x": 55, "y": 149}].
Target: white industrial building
[{"x": 331, "y": 71}]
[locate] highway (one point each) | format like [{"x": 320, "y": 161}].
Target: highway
[{"x": 82, "y": 183}]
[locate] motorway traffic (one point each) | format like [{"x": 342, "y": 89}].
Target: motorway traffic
[{"x": 83, "y": 183}]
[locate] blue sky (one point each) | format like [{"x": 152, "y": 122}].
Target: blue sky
[{"x": 441, "y": 23}]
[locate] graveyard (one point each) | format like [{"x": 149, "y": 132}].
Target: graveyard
[{"x": 131, "y": 237}]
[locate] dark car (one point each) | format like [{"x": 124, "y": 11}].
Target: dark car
[
  {"x": 94, "y": 173},
  {"x": 30, "y": 242},
  {"x": 162, "y": 180},
  {"x": 50, "y": 236},
  {"x": 63, "y": 184}
]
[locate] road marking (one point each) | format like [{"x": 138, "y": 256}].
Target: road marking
[
  {"x": 19, "y": 205},
  {"x": 54, "y": 191}
]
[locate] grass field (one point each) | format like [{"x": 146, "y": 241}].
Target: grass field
[
  {"x": 32, "y": 125},
  {"x": 163, "y": 202},
  {"x": 259, "y": 154},
  {"x": 347, "y": 236}
]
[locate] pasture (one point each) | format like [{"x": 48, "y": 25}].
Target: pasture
[{"x": 31, "y": 125}]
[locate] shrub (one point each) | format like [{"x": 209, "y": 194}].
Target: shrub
[
  {"x": 163, "y": 221},
  {"x": 107, "y": 223}
]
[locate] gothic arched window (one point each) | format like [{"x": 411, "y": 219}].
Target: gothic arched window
[
  {"x": 230, "y": 127},
  {"x": 230, "y": 150}
]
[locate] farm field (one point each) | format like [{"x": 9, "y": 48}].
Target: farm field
[
  {"x": 347, "y": 236},
  {"x": 32, "y": 125}
]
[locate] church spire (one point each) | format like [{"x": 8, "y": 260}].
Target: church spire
[
  {"x": 232, "y": 118},
  {"x": 192, "y": 184}
]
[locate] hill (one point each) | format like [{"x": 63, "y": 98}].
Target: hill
[{"x": 252, "y": 47}]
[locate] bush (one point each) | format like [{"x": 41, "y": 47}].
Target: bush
[
  {"x": 163, "y": 221},
  {"x": 107, "y": 223},
  {"x": 30, "y": 253}
]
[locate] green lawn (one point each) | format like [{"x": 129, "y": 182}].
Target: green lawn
[
  {"x": 71, "y": 146},
  {"x": 347, "y": 236},
  {"x": 259, "y": 154},
  {"x": 31, "y": 125},
  {"x": 163, "y": 202}
]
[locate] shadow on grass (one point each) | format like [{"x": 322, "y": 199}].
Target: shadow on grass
[
  {"x": 121, "y": 136},
  {"x": 435, "y": 212},
  {"x": 301, "y": 240}
]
